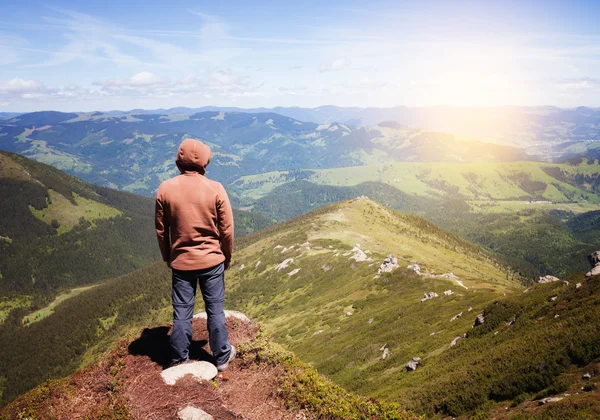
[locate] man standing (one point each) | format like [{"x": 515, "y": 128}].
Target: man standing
[{"x": 194, "y": 226}]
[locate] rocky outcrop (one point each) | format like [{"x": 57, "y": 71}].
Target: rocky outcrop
[
  {"x": 455, "y": 341},
  {"x": 429, "y": 295},
  {"x": 284, "y": 264},
  {"x": 448, "y": 293},
  {"x": 389, "y": 264},
  {"x": 413, "y": 364},
  {"x": 359, "y": 255},
  {"x": 594, "y": 259},
  {"x": 548, "y": 279},
  {"x": 455, "y": 317},
  {"x": 479, "y": 320}
]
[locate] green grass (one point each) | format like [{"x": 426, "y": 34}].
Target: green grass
[
  {"x": 8, "y": 304},
  {"x": 68, "y": 214},
  {"x": 49, "y": 309},
  {"x": 491, "y": 182}
]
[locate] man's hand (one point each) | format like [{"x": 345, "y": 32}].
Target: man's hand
[
  {"x": 226, "y": 264},
  {"x": 168, "y": 264}
]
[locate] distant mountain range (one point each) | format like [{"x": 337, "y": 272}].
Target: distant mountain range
[
  {"x": 135, "y": 152},
  {"x": 548, "y": 132}
]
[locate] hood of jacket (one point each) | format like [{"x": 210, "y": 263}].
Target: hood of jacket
[{"x": 193, "y": 156}]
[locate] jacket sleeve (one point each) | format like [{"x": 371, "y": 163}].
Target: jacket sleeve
[
  {"x": 225, "y": 224},
  {"x": 162, "y": 229}
]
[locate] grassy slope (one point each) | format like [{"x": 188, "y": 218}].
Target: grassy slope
[
  {"x": 308, "y": 311},
  {"x": 479, "y": 183}
]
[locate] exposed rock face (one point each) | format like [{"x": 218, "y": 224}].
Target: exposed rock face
[
  {"x": 479, "y": 320},
  {"x": 388, "y": 265},
  {"x": 284, "y": 264},
  {"x": 455, "y": 317},
  {"x": 201, "y": 370},
  {"x": 415, "y": 267},
  {"x": 453, "y": 343},
  {"x": 429, "y": 295},
  {"x": 594, "y": 259},
  {"x": 358, "y": 254},
  {"x": 548, "y": 279},
  {"x": 193, "y": 413},
  {"x": 413, "y": 364},
  {"x": 594, "y": 271}
]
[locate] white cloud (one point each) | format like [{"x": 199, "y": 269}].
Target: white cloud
[
  {"x": 335, "y": 65},
  {"x": 579, "y": 84}
]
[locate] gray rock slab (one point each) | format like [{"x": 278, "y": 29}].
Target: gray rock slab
[
  {"x": 199, "y": 370},
  {"x": 192, "y": 413}
]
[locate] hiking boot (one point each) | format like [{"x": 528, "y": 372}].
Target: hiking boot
[{"x": 225, "y": 365}]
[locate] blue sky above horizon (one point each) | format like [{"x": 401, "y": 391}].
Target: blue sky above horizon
[{"x": 82, "y": 56}]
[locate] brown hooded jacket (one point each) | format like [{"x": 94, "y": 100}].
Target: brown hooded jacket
[{"x": 194, "y": 220}]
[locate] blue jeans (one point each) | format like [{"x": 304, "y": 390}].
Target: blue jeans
[{"x": 212, "y": 285}]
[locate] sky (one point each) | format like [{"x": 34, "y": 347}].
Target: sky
[{"x": 85, "y": 56}]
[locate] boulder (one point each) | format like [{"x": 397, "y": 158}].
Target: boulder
[
  {"x": 389, "y": 264},
  {"x": 549, "y": 400},
  {"x": 594, "y": 271},
  {"x": 192, "y": 413},
  {"x": 455, "y": 317},
  {"x": 228, "y": 314},
  {"x": 586, "y": 376},
  {"x": 578, "y": 285},
  {"x": 428, "y": 296},
  {"x": 200, "y": 370},
  {"x": 448, "y": 293},
  {"x": 413, "y": 364},
  {"x": 548, "y": 279},
  {"x": 415, "y": 267}
]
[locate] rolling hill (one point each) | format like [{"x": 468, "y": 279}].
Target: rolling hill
[
  {"x": 313, "y": 283},
  {"x": 134, "y": 152}
]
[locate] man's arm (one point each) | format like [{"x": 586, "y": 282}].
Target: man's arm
[
  {"x": 162, "y": 230},
  {"x": 225, "y": 223}
]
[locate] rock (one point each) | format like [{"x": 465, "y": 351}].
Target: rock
[
  {"x": 548, "y": 279},
  {"x": 594, "y": 272},
  {"x": 228, "y": 314},
  {"x": 317, "y": 332},
  {"x": 348, "y": 313},
  {"x": 277, "y": 247},
  {"x": 413, "y": 364},
  {"x": 257, "y": 264},
  {"x": 199, "y": 370},
  {"x": 511, "y": 322},
  {"x": 293, "y": 272},
  {"x": 192, "y": 413},
  {"x": 453, "y": 343},
  {"x": 428, "y": 296},
  {"x": 390, "y": 263},
  {"x": 549, "y": 400},
  {"x": 448, "y": 293},
  {"x": 556, "y": 316},
  {"x": 358, "y": 254},
  {"x": 578, "y": 285},
  {"x": 284, "y": 264},
  {"x": 594, "y": 258},
  {"x": 455, "y": 317},
  {"x": 386, "y": 353},
  {"x": 415, "y": 267},
  {"x": 553, "y": 298},
  {"x": 586, "y": 376},
  {"x": 325, "y": 267},
  {"x": 370, "y": 321},
  {"x": 479, "y": 320}
]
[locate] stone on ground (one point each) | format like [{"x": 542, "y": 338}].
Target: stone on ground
[
  {"x": 199, "y": 370},
  {"x": 193, "y": 413}
]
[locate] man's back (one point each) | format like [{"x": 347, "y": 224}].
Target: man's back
[{"x": 194, "y": 220}]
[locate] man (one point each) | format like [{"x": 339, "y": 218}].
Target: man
[{"x": 194, "y": 226}]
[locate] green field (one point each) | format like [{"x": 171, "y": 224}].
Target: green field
[
  {"x": 68, "y": 214},
  {"x": 511, "y": 182},
  {"x": 49, "y": 309}
]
